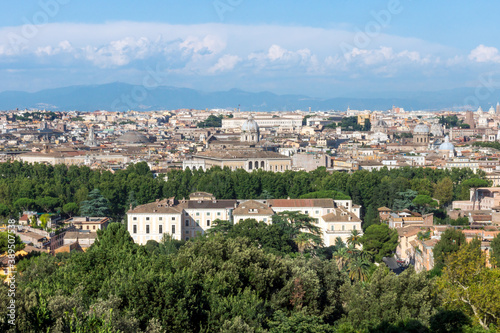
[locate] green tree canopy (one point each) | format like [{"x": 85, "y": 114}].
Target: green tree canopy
[
  {"x": 450, "y": 242},
  {"x": 380, "y": 241},
  {"x": 4, "y": 242},
  {"x": 423, "y": 202},
  {"x": 71, "y": 208},
  {"x": 96, "y": 205}
]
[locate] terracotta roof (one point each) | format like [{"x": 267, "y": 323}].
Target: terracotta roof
[
  {"x": 241, "y": 154},
  {"x": 408, "y": 231},
  {"x": 300, "y": 203},
  {"x": 245, "y": 207},
  {"x": 80, "y": 235},
  {"x": 206, "y": 204},
  {"x": 160, "y": 207},
  {"x": 384, "y": 209},
  {"x": 340, "y": 215},
  {"x": 194, "y": 195}
]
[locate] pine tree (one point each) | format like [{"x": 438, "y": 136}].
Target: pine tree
[{"x": 96, "y": 205}]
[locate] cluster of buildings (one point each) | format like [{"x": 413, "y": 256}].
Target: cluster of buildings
[
  {"x": 418, "y": 235},
  {"x": 186, "y": 219},
  {"x": 272, "y": 141}
]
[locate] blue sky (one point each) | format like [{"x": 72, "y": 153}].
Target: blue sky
[{"x": 317, "y": 48}]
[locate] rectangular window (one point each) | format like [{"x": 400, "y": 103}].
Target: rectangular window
[
  {"x": 208, "y": 223},
  {"x": 147, "y": 228},
  {"x": 173, "y": 229},
  {"x": 173, "y": 218},
  {"x": 147, "y": 218},
  {"x": 93, "y": 227},
  {"x": 134, "y": 218},
  {"x": 160, "y": 229},
  {"x": 187, "y": 223},
  {"x": 218, "y": 213},
  {"x": 317, "y": 212},
  {"x": 354, "y": 227},
  {"x": 197, "y": 213},
  {"x": 208, "y": 214},
  {"x": 160, "y": 218},
  {"x": 135, "y": 229},
  {"x": 306, "y": 212},
  {"x": 187, "y": 232}
]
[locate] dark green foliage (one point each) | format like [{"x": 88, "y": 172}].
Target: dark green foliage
[
  {"x": 271, "y": 238},
  {"x": 22, "y": 183},
  {"x": 71, "y": 208},
  {"x": 96, "y": 205},
  {"x": 390, "y": 298},
  {"x": 216, "y": 283},
  {"x": 450, "y": 242},
  {"x": 380, "y": 241},
  {"x": 449, "y": 321},
  {"x": 368, "y": 125},
  {"x": 326, "y": 194},
  {"x": 495, "y": 248},
  {"x": 351, "y": 124},
  {"x": 4, "y": 242},
  {"x": 211, "y": 121}
]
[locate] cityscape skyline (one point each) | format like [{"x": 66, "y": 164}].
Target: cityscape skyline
[{"x": 346, "y": 49}]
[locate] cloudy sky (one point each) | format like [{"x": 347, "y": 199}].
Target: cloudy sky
[{"x": 319, "y": 48}]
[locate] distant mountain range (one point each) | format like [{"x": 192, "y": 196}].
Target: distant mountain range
[{"x": 123, "y": 97}]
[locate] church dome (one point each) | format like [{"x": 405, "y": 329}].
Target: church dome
[
  {"x": 380, "y": 123},
  {"x": 250, "y": 125},
  {"x": 132, "y": 137},
  {"x": 447, "y": 145},
  {"x": 421, "y": 129}
]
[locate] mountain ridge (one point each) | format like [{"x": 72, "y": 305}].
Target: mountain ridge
[{"x": 120, "y": 96}]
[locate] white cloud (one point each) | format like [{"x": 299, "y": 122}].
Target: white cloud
[
  {"x": 485, "y": 54},
  {"x": 225, "y": 63}
]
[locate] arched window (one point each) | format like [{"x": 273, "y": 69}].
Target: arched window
[
  {"x": 249, "y": 165},
  {"x": 262, "y": 165}
]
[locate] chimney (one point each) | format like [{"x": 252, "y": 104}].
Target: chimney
[{"x": 131, "y": 207}]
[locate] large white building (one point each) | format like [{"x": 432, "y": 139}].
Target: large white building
[
  {"x": 264, "y": 120},
  {"x": 188, "y": 218}
]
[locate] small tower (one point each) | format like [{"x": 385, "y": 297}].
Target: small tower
[{"x": 91, "y": 141}]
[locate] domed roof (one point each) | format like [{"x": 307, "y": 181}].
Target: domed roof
[
  {"x": 447, "y": 145},
  {"x": 250, "y": 125},
  {"x": 421, "y": 129},
  {"x": 380, "y": 123},
  {"x": 133, "y": 137},
  {"x": 479, "y": 110}
]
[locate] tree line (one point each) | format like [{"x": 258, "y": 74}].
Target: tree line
[{"x": 63, "y": 189}]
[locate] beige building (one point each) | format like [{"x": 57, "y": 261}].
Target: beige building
[
  {"x": 188, "y": 218},
  {"x": 244, "y": 159},
  {"x": 252, "y": 209},
  {"x": 88, "y": 223},
  {"x": 151, "y": 221}
]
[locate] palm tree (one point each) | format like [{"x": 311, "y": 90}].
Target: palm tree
[
  {"x": 302, "y": 241},
  {"x": 339, "y": 243},
  {"x": 341, "y": 257},
  {"x": 354, "y": 239},
  {"x": 358, "y": 269}
]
